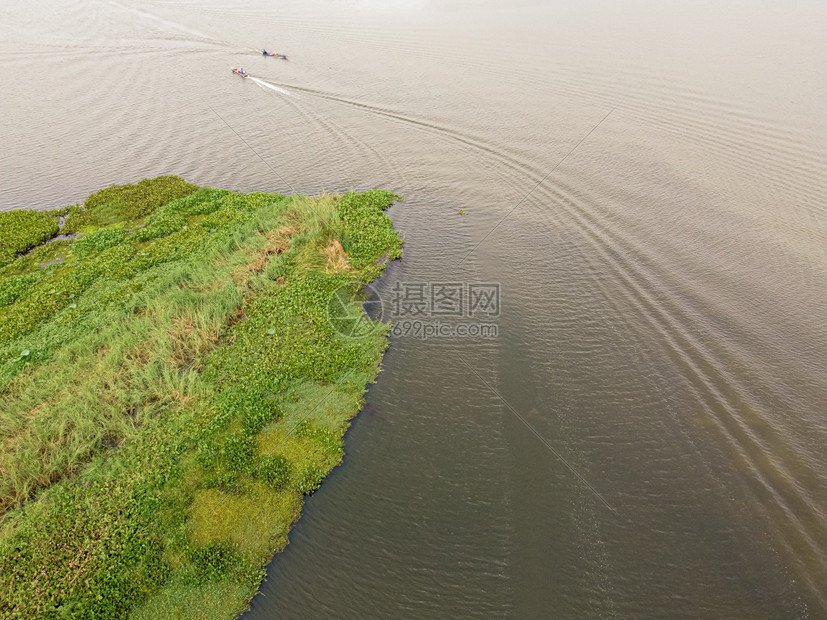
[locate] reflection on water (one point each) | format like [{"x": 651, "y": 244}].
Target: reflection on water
[{"x": 663, "y": 327}]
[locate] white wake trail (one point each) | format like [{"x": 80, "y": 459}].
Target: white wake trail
[{"x": 278, "y": 89}]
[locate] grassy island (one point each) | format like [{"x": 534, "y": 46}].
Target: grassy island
[{"x": 171, "y": 387}]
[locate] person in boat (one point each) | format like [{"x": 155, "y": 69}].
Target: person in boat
[{"x": 265, "y": 52}]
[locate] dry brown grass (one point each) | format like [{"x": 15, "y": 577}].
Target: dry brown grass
[
  {"x": 209, "y": 287},
  {"x": 337, "y": 261},
  {"x": 277, "y": 243},
  {"x": 139, "y": 356},
  {"x": 31, "y": 413},
  {"x": 189, "y": 340}
]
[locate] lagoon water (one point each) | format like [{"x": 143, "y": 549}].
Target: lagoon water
[{"x": 646, "y": 182}]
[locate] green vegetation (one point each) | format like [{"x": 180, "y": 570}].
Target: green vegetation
[
  {"x": 22, "y": 230},
  {"x": 170, "y": 389}
]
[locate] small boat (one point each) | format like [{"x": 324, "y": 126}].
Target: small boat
[
  {"x": 274, "y": 54},
  {"x": 240, "y": 72}
]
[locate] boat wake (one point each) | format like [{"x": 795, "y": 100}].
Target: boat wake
[{"x": 278, "y": 89}]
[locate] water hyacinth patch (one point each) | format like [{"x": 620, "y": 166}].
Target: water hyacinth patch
[
  {"x": 98, "y": 241},
  {"x": 23, "y": 230}
]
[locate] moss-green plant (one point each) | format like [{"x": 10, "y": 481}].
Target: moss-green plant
[
  {"x": 98, "y": 240},
  {"x": 274, "y": 470},
  {"x": 23, "y": 230},
  {"x": 310, "y": 478},
  {"x": 368, "y": 233},
  {"x": 133, "y": 202},
  {"x": 13, "y": 287}
]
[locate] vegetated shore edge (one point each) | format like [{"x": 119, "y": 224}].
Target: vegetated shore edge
[{"x": 173, "y": 381}]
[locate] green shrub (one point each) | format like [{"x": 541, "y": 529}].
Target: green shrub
[
  {"x": 214, "y": 560},
  {"x": 76, "y": 218},
  {"x": 255, "y": 407},
  {"x": 12, "y": 287},
  {"x": 237, "y": 452},
  {"x": 232, "y": 452},
  {"x": 114, "y": 262},
  {"x": 22, "y": 230},
  {"x": 222, "y": 218},
  {"x": 43, "y": 300},
  {"x": 367, "y": 232},
  {"x": 133, "y": 202},
  {"x": 98, "y": 241},
  {"x": 187, "y": 243},
  {"x": 206, "y": 200},
  {"x": 223, "y": 480},
  {"x": 310, "y": 479},
  {"x": 329, "y": 442},
  {"x": 274, "y": 471},
  {"x": 164, "y": 221}
]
